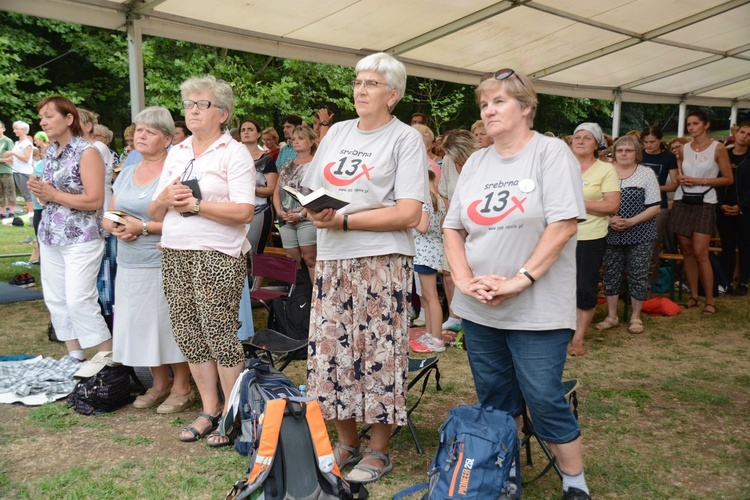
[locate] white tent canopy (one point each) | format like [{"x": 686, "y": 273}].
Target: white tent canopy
[{"x": 655, "y": 51}]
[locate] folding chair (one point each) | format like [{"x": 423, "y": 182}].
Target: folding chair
[
  {"x": 419, "y": 369},
  {"x": 528, "y": 431},
  {"x": 272, "y": 344},
  {"x": 273, "y": 267}
]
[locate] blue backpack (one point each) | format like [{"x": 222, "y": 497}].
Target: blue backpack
[
  {"x": 475, "y": 455},
  {"x": 259, "y": 383}
]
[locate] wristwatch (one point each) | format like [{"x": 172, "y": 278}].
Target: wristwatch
[
  {"x": 301, "y": 217},
  {"x": 145, "y": 229},
  {"x": 325, "y": 124},
  {"x": 197, "y": 206}
]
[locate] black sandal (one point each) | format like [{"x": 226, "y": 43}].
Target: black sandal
[
  {"x": 196, "y": 434},
  {"x": 708, "y": 312},
  {"x": 691, "y": 302},
  {"x": 231, "y": 435}
]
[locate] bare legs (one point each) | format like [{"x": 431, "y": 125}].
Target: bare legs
[
  {"x": 583, "y": 321},
  {"x": 431, "y": 305},
  {"x": 379, "y": 440},
  {"x": 697, "y": 265},
  {"x": 449, "y": 288},
  {"x": 308, "y": 254},
  {"x": 207, "y": 377}
]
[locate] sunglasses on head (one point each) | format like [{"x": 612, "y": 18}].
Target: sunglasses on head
[{"x": 501, "y": 74}]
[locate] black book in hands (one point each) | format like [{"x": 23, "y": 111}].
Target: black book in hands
[{"x": 318, "y": 200}]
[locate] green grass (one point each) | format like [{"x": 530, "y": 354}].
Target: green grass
[
  {"x": 663, "y": 415},
  {"x": 54, "y": 416}
]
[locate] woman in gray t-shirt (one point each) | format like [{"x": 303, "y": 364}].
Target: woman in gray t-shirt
[
  {"x": 510, "y": 241},
  {"x": 358, "y": 350}
]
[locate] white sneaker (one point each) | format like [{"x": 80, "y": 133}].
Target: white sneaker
[
  {"x": 419, "y": 320},
  {"x": 435, "y": 345}
]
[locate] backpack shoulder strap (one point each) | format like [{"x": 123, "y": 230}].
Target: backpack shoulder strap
[
  {"x": 321, "y": 441},
  {"x": 269, "y": 439}
]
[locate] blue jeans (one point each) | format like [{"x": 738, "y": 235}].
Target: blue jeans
[{"x": 512, "y": 366}]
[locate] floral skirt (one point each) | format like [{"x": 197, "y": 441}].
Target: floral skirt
[{"x": 359, "y": 338}]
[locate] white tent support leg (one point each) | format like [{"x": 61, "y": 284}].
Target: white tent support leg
[
  {"x": 135, "y": 64},
  {"x": 681, "y": 119},
  {"x": 733, "y": 114},
  {"x": 617, "y": 114}
]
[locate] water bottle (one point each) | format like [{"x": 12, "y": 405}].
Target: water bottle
[
  {"x": 21, "y": 263},
  {"x": 303, "y": 390}
]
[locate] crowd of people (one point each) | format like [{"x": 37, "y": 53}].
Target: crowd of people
[{"x": 423, "y": 210}]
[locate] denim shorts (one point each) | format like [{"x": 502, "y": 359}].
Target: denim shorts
[{"x": 512, "y": 366}]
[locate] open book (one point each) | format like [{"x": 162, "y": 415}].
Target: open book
[
  {"x": 116, "y": 216},
  {"x": 317, "y": 200}
]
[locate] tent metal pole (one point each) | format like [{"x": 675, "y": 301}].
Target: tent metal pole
[
  {"x": 733, "y": 115},
  {"x": 617, "y": 114},
  {"x": 135, "y": 65},
  {"x": 681, "y": 119}
]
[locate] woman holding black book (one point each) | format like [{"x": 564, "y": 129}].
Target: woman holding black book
[
  {"x": 298, "y": 235},
  {"x": 205, "y": 196},
  {"x": 357, "y": 359}
]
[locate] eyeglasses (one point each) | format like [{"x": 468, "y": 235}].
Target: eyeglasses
[
  {"x": 202, "y": 105},
  {"x": 675, "y": 148},
  {"x": 501, "y": 74},
  {"x": 187, "y": 174},
  {"x": 368, "y": 84}
]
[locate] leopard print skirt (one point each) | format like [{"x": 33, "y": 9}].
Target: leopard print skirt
[
  {"x": 359, "y": 339},
  {"x": 203, "y": 290}
]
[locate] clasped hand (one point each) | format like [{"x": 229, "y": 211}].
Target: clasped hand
[
  {"x": 490, "y": 288},
  {"x": 619, "y": 223},
  {"x": 43, "y": 191}
]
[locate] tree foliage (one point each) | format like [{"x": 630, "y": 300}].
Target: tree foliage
[{"x": 40, "y": 57}]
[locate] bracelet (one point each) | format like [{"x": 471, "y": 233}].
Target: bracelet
[
  {"x": 526, "y": 273},
  {"x": 704, "y": 181},
  {"x": 346, "y": 223}
]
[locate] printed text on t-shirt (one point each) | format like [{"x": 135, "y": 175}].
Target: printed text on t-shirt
[
  {"x": 493, "y": 208},
  {"x": 344, "y": 172}
]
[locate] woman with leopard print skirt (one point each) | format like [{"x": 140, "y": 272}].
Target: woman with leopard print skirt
[{"x": 206, "y": 195}]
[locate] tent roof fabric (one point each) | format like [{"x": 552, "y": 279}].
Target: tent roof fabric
[{"x": 656, "y": 51}]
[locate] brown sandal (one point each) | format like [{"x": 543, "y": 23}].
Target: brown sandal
[{"x": 691, "y": 302}]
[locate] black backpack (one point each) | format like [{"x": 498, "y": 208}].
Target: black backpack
[{"x": 291, "y": 315}]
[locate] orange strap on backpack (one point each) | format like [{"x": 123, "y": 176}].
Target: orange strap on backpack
[{"x": 269, "y": 438}]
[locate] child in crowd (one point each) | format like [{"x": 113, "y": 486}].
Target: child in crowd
[{"x": 429, "y": 242}]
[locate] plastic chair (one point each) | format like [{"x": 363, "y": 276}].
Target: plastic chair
[
  {"x": 528, "y": 431},
  {"x": 273, "y": 267},
  {"x": 419, "y": 369}
]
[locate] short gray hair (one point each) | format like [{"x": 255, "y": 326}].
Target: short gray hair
[
  {"x": 390, "y": 68},
  {"x": 22, "y": 125},
  {"x": 158, "y": 118},
  {"x": 220, "y": 89},
  {"x": 519, "y": 87}
]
